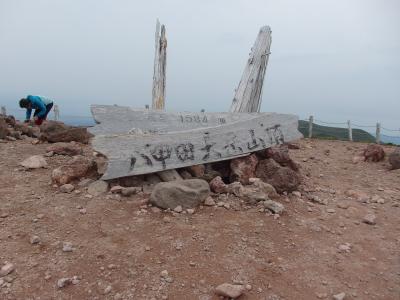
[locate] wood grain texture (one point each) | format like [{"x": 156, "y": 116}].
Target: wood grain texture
[
  {"x": 249, "y": 92},
  {"x": 112, "y": 119},
  {"x": 133, "y": 154},
  {"x": 160, "y": 65}
]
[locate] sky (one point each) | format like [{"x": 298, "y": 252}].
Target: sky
[{"x": 336, "y": 60}]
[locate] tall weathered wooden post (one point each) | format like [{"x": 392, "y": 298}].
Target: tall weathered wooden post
[
  {"x": 249, "y": 92},
  {"x": 160, "y": 65},
  {"x": 159, "y": 80}
]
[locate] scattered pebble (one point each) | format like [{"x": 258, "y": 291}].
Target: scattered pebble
[
  {"x": 35, "y": 240},
  {"x": 370, "y": 219},
  {"x": 340, "y": 296},
  {"x": 67, "y": 247},
  {"x": 232, "y": 291}
]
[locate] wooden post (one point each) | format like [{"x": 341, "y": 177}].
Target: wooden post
[
  {"x": 3, "y": 110},
  {"x": 310, "y": 126},
  {"x": 160, "y": 64},
  {"x": 249, "y": 92},
  {"x": 350, "y": 131},
  {"x": 56, "y": 113},
  {"x": 159, "y": 79},
  {"x": 378, "y": 133}
]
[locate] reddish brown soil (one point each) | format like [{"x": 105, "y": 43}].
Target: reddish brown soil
[{"x": 120, "y": 244}]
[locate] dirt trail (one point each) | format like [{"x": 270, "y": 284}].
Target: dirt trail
[{"x": 120, "y": 248}]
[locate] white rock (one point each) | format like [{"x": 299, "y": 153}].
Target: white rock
[
  {"x": 232, "y": 291},
  {"x": 340, "y": 296},
  {"x": 164, "y": 274},
  {"x": 34, "y": 162},
  {"x": 178, "y": 209},
  {"x": 6, "y": 269},
  {"x": 67, "y": 188},
  {"x": 209, "y": 201},
  {"x": 67, "y": 247},
  {"x": 108, "y": 290},
  {"x": 275, "y": 207},
  {"x": 63, "y": 282},
  {"x": 370, "y": 219},
  {"x": 97, "y": 188},
  {"x": 35, "y": 239}
]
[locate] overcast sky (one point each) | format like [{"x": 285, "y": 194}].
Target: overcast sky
[{"x": 337, "y": 59}]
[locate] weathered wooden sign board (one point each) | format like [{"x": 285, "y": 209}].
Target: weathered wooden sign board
[
  {"x": 120, "y": 119},
  {"x": 134, "y": 154}
]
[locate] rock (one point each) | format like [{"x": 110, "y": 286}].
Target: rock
[
  {"x": 370, "y": 219},
  {"x": 210, "y": 174},
  {"x": 130, "y": 191},
  {"x": 185, "y": 174},
  {"x": 344, "y": 248},
  {"x": 190, "y": 211},
  {"x": 77, "y": 168},
  {"x": 283, "y": 179},
  {"x": 340, "y": 296},
  {"x": 65, "y": 149},
  {"x": 243, "y": 168},
  {"x": 275, "y": 207},
  {"x": 394, "y": 159},
  {"x": 97, "y": 188},
  {"x": 218, "y": 186},
  {"x": 186, "y": 193},
  {"x": 330, "y": 210},
  {"x": 280, "y": 154},
  {"x": 34, "y": 162},
  {"x": 54, "y": 132},
  {"x": 3, "y": 128},
  {"x": 8, "y": 268},
  {"x": 178, "y": 209},
  {"x": 67, "y": 188},
  {"x": 101, "y": 164},
  {"x": 27, "y": 130},
  {"x": 116, "y": 189},
  {"x": 264, "y": 187},
  {"x": 232, "y": 291},
  {"x": 35, "y": 239},
  {"x": 197, "y": 170},
  {"x": 296, "y": 194},
  {"x": 67, "y": 247},
  {"x": 361, "y": 196},
  {"x": 209, "y": 201},
  {"x": 107, "y": 290},
  {"x": 374, "y": 153},
  {"x": 63, "y": 282}
]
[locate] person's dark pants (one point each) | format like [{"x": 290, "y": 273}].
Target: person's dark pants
[{"x": 40, "y": 120}]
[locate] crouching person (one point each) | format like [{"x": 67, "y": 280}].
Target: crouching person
[{"x": 42, "y": 106}]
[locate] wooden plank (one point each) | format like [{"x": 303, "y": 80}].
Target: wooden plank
[
  {"x": 134, "y": 154},
  {"x": 249, "y": 92},
  {"x": 160, "y": 65},
  {"x": 118, "y": 119}
]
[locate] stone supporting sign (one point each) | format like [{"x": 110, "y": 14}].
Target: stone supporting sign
[{"x": 135, "y": 154}]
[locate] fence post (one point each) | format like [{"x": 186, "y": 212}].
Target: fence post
[
  {"x": 3, "y": 110},
  {"x": 378, "y": 133},
  {"x": 310, "y": 124},
  {"x": 56, "y": 113},
  {"x": 350, "y": 131}
]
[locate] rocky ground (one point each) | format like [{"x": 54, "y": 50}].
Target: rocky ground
[{"x": 338, "y": 238}]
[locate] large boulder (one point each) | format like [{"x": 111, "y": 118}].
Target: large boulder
[
  {"x": 54, "y": 132},
  {"x": 243, "y": 168},
  {"x": 77, "y": 168},
  {"x": 374, "y": 153},
  {"x": 65, "y": 149},
  {"x": 27, "y": 129},
  {"x": 185, "y": 193},
  {"x": 283, "y": 179},
  {"x": 394, "y": 159},
  {"x": 34, "y": 162},
  {"x": 280, "y": 154}
]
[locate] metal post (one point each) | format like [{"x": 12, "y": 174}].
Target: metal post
[
  {"x": 378, "y": 133},
  {"x": 310, "y": 125},
  {"x": 350, "y": 131},
  {"x": 3, "y": 110}
]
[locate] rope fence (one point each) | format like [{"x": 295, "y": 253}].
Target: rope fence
[{"x": 349, "y": 125}]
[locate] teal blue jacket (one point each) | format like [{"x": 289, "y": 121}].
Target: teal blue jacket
[{"x": 37, "y": 103}]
